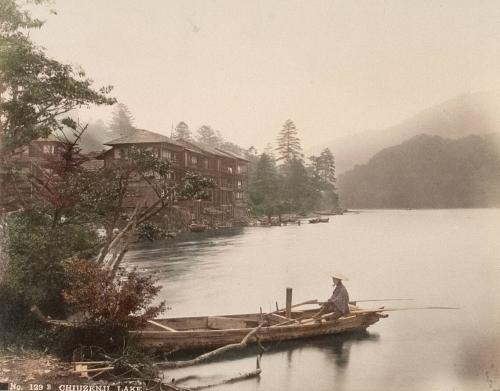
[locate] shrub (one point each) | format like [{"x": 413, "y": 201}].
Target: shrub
[
  {"x": 37, "y": 248},
  {"x": 151, "y": 231},
  {"x": 104, "y": 299},
  {"x": 17, "y": 323}
]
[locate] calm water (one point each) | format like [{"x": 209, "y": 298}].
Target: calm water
[{"x": 443, "y": 257}]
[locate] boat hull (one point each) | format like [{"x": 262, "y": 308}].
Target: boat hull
[{"x": 203, "y": 338}]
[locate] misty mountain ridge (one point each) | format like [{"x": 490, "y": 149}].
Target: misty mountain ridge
[
  {"x": 477, "y": 113},
  {"x": 427, "y": 171}
]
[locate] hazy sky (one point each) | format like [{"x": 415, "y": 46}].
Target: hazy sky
[{"x": 244, "y": 67}]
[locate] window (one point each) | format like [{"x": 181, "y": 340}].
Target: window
[
  {"x": 230, "y": 170},
  {"x": 205, "y": 163},
  {"x": 48, "y": 148},
  {"x": 239, "y": 196},
  {"x": 170, "y": 175},
  {"x": 194, "y": 160},
  {"x": 239, "y": 184},
  {"x": 117, "y": 153}
]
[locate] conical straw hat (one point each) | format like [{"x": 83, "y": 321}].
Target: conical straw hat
[{"x": 339, "y": 276}]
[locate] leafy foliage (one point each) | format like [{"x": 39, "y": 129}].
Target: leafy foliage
[
  {"x": 37, "y": 249},
  {"x": 194, "y": 187},
  {"x": 36, "y": 91},
  {"x": 105, "y": 299}
]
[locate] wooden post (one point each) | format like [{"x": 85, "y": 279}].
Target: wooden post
[{"x": 288, "y": 302}]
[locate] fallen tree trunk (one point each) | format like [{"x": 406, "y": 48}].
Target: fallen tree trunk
[
  {"x": 243, "y": 376},
  {"x": 213, "y": 353}
]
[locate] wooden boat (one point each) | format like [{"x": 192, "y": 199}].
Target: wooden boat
[
  {"x": 314, "y": 220},
  {"x": 324, "y": 219},
  {"x": 205, "y": 332}
]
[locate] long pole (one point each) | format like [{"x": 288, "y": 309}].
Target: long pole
[{"x": 289, "y": 302}]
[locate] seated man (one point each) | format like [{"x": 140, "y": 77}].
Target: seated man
[{"x": 338, "y": 303}]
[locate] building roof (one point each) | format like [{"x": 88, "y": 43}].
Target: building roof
[
  {"x": 212, "y": 150},
  {"x": 234, "y": 155},
  {"x": 50, "y": 137},
  {"x": 142, "y": 136}
]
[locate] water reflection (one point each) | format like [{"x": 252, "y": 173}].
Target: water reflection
[
  {"x": 333, "y": 349},
  {"x": 173, "y": 258}
]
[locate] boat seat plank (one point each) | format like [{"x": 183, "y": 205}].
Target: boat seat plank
[{"x": 220, "y": 323}]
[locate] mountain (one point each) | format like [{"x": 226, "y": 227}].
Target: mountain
[
  {"x": 477, "y": 113},
  {"x": 427, "y": 171}
]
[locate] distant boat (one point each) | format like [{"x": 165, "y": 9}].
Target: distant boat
[
  {"x": 194, "y": 227},
  {"x": 314, "y": 220},
  {"x": 324, "y": 219}
]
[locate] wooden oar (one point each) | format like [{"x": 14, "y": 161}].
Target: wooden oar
[
  {"x": 316, "y": 301},
  {"x": 365, "y": 301},
  {"x": 360, "y": 312}
]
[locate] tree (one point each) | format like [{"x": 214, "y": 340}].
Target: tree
[
  {"x": 182, "y": 131},
  {"x": 264, "y": 187},
  {"x": 37, "y": 93},
  {"x": 289, "y": 144},
  {"x": 323, "y": 179},
  {"x": 324, "y": 167},
  {"x": 298, "y": 190},
  {"x": 209, "y": 136},
  {"x": 122, "y": 121}
]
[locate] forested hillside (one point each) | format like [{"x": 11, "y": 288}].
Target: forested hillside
[
  {"x": 467, "y": 114},
  {"x": 427, "y": 172}
]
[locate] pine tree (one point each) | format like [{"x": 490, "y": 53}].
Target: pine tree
[
  {"x": 122, "y": 121},
  {"x": 323, "y": 179},
  {"x": 182, "y": 131},
  {"x": 323, "y": 167},
  {"x": 289, "y": 144}
]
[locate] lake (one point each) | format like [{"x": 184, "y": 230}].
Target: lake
[{"x": 436, "y": 257}]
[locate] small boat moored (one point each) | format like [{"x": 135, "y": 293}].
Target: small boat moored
[
  {"x": 194, "y": 227},
  {"x": 205, "y": 332}
]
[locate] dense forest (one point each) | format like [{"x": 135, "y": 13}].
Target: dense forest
[
  {"x": 427, "y": 172},
  {"x": 281, "y": 182}
]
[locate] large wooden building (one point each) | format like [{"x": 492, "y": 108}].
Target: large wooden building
[{"x": 228, "y": 170}]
